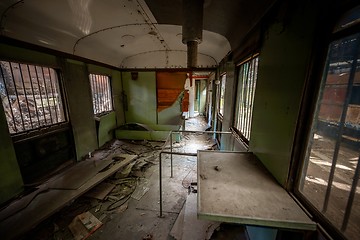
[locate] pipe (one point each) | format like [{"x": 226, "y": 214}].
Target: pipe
[{"x": 193, "y": 11}]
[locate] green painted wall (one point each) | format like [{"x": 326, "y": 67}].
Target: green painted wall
[
  {"x": 106, "y": 129},
  {"x": 141, "y": 97},
  {"x": 227, "y": 122},
  {"x": 171, "y": 115},
  {"x": 283, "y": 62},
  {"x": 79, "y": 98},
  {"x": 12, "y": 53},
  {"x": 10, "y": 177},
  {"x": 203, "y": 84}
]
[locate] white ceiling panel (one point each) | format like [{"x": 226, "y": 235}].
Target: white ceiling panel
[{"x": 120, "y": 33}]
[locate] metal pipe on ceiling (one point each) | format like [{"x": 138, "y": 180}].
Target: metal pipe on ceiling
[{"x": 193, "y": 11}]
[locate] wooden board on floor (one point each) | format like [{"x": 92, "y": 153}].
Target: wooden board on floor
[
  {"x": 235, "y": 187},
  {"x": 193, "y": 228},
  {"x": 51, "y": 201},
  {"x": 100, "y": 191},
  {"x": 177, "y": 229},
  {"x": 78, "y": 174}
]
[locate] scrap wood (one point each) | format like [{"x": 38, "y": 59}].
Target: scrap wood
[
  {"x": 83, "y": 225},
  {"x": 141, "y": 189},
  {"x": 125, "y": 171},
  {"x": 100, "y": 191},
  {"x": 119, "y": 203}
]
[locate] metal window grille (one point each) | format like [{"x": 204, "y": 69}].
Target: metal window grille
[
  {"x": 245, "y": 96},
  {"x": 101, "y": 93},
  {"x": 31, "y": 96},
  {"x": 330, "y": 177},
  {"x": 222, "y": 94}
]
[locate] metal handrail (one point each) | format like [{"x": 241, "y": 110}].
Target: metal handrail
[{"x": 176, "y": 153}]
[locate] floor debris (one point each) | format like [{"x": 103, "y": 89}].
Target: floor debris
[
  {"x": 84, "y": 225},
  {"x": 100, "y": 191},
  {"x": 131, "y": 205},
  {"x": 141, "y": 189}
]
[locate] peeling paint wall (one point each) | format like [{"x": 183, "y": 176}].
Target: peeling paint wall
[{"x": 140, "y": 97}]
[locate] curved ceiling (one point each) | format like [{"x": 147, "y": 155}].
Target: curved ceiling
[{"x": 120, "y": 33}]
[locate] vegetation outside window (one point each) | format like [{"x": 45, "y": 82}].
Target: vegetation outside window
[
  {"x": 331, "y": 169},
  {"x": 31, "y": 96},
  {"x": 247, "y": 76},
  {"x": 101, "y": 93}
]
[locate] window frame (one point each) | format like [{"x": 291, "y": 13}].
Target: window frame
[
  {"x": 305, "y": 124},
  {"x": 57, "y": 87},
  {"x": 221, "y": 89},
  {"x": 253, "y": 67},
  {"x": 108, "y": 94}
]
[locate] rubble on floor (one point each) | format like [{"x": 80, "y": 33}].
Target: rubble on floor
[
  {"x": 118, "y": 196},
  {"x": 109, "y": 196}
]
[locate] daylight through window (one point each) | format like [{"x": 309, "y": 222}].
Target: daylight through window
[
  {"x": 331, "y": 169},
  {"x": 247, "y": 76},
  {"x": 222, "y": 94},
  {"x": 30, "y": 95},
  {"x": 101, "y": 93}
]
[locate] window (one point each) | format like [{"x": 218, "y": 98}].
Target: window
[
  {"x": 31, "y": 96},
  {"x": 222, "y": 94},
  {"x": 246, "y": 85},
  {"x": 331, "y": 169},
  {"x": 101, "y": 93}
]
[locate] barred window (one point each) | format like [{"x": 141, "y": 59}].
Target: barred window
[
  {"x": 31, "y": 96},
  {"x": 222, "y": 94},
  {"x": 247, "y": 77},
  {"x": 101, "y": 93},
  {"x": 331, "y": 168}
]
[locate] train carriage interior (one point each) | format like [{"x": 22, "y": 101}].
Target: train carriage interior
[{"x": 235, "y": 119}]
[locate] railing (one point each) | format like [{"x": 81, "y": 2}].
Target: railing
[{"x": 169, "y": 139}]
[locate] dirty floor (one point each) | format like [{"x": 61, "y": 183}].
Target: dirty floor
[{"x": 126, "y": 205}]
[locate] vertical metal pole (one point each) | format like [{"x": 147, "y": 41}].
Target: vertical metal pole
[
  {"x": 351, "y": 196},
  {"x": 53, "y": 95},
  {"x": 107, "y": 94},
  {"x": 8, "y": 96},
  {"x": 103, "y": 97},
  {"x": 171, "y": 156},
  {"x": 41, "y": 95},
  {"x": 33, "y": 94},
  {"x": 17, "y": 96},
  {"x": 160, "y": 184},
  {"x": 25, "y": 94},
  {"x": 98, "y": 91},
  {"x": 47, "y": 95},
  {"x": 342, "y": 123}
]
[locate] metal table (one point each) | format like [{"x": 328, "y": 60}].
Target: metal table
[{"x": 235, "y": 187}]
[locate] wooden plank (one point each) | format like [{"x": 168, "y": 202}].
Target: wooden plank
[
  {"x": 100, "y": 191},
  {"x": 51, "y": 201},
  {"x": 235, "y": 187},
  {"x": 78, "y": 174},
  {"x": 194, "y": 228}
]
